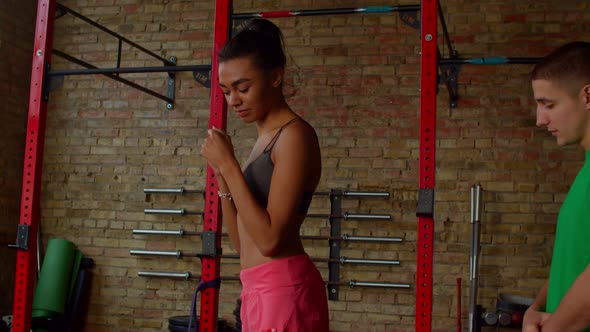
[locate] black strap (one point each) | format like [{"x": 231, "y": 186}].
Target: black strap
[
  {"x": 215, "y": 283},
  {"x": 274, "y": 139}
]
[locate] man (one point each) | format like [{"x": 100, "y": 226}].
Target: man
[{"x": 561, "y": 86}]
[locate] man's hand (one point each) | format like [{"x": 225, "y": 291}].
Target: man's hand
[{"x": 533, "y": 320}]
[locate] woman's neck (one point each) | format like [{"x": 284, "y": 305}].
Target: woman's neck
[{"x": 274, "y": 118}]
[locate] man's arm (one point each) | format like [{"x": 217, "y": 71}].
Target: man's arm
[
  {"x": 541, "y": 299},
  {"x": 573, "y": 312},
  {"x": 534, "y": 316}
]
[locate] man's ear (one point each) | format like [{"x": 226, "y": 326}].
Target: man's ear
[{"x": 586, "y": 96}]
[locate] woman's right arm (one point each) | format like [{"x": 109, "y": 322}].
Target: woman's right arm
[{"x": 229, "y": 214}]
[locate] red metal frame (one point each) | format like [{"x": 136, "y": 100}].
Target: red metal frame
[
  {"x": 26, "y": 259},
  {"x": 30, "y": 202},
  {"x": 210, "y": 266},
  {"x": 428, "y": 83}
]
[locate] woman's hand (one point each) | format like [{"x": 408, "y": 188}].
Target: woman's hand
[{"x": 218, "y": 150}]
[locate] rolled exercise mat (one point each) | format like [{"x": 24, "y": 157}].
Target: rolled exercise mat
[
  {"x": 53, "y": 286},
  {"x": 74, "y": 271}
]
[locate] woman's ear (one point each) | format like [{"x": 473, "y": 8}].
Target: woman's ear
[{"x": 277, "y": 77}]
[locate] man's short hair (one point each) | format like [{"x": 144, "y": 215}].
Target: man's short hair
[{"x": 568, "y": 66}]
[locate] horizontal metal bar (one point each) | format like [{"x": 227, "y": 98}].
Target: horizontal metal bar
[
  {"x": 336, "y": 11},
  {"x": 365, "y": 216},
  {"x": 168, "y": 253},
  {"x": 171, "y": 211},
  {"x": 112, "y": 33},
  {"x": 165, "y": 211},
  {"x": 113, "y": 76},
  {"x": 319, "y": 237},
  {"x": 353, "y": 194},
  {"x": 345, "y": 193},
  {"x": 347, "y": 215},
  {"x": 345, "y": 260},
  {"x": 188, "y": 275},
  {"x": 316, "y": 215},
  {"x": 179, "y": 232},
  {"x": 354, "y": 283},
  {"x": 365, "y": 194},
  {"x": 175, "y": 253},
  {"x": 341, "y": 260},
  {"x": 231, "y": 256},
  {"x": 128, "y": 70},
  {"x": 487, "y": 61},
  {"x": 346, "y": 237},
  {"x": 179, "y": 275},
  {"x": 182, "y": 275},
  {"x": 163, "y": 191},
  {"x": 180, "y": 190}
]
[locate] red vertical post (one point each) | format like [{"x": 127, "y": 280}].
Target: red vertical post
[
  {"x": 210, "y": 266},
  {"x": 425, "y": 241},
  {"x": 26, "y": 257}
]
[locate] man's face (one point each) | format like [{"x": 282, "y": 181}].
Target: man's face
[{"x": 566, "y": 116}]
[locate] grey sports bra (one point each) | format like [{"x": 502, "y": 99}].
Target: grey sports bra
[{"x": 258, "y": 175}]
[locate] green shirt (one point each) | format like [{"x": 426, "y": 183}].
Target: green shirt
[{"x": 571, "y": 251}]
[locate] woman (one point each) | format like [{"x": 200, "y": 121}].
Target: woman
[{"x": 264, "y": 203}]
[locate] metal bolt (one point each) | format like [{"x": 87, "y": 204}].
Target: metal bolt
[
  {"x": 428, "y": 37},
  {"x": 333, "y": 291},
  {"x": 39, "y": 53},
  {"x": 170, "y": 81},
  {"x": 169, "y": 106}
]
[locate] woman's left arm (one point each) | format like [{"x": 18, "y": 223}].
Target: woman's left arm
[
  {"x": 573, "y": 312},
  {"x": 268, "y": 227}
]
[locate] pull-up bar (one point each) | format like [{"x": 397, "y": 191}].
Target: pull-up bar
[
  {"x": 449, "y": 69},
  {"x": 499, "y": 60},
  {"x": 65, "y": 9},
  {"x": 337, "y": 11},
  {"x": 129, "y": 70}
]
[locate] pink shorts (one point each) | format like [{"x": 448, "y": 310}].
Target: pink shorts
[{"x": 284, "y": 295}]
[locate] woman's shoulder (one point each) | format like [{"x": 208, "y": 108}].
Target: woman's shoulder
[{"x": 300, "y": 130}]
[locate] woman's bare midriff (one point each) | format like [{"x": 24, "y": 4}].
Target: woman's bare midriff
[{"x": 251, "y": 256}]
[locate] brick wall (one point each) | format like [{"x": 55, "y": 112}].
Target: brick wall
[
  {"x": 355, "y": 78},
  {"x": 17, "y": 26}
]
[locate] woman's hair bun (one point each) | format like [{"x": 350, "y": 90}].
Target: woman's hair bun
[{"x": 259, "y": 38}]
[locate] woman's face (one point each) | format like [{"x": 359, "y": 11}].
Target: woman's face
[{"x": 249, "y": 91}]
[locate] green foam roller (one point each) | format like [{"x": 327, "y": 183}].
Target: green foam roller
[{"x": 53, "y": 287}]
